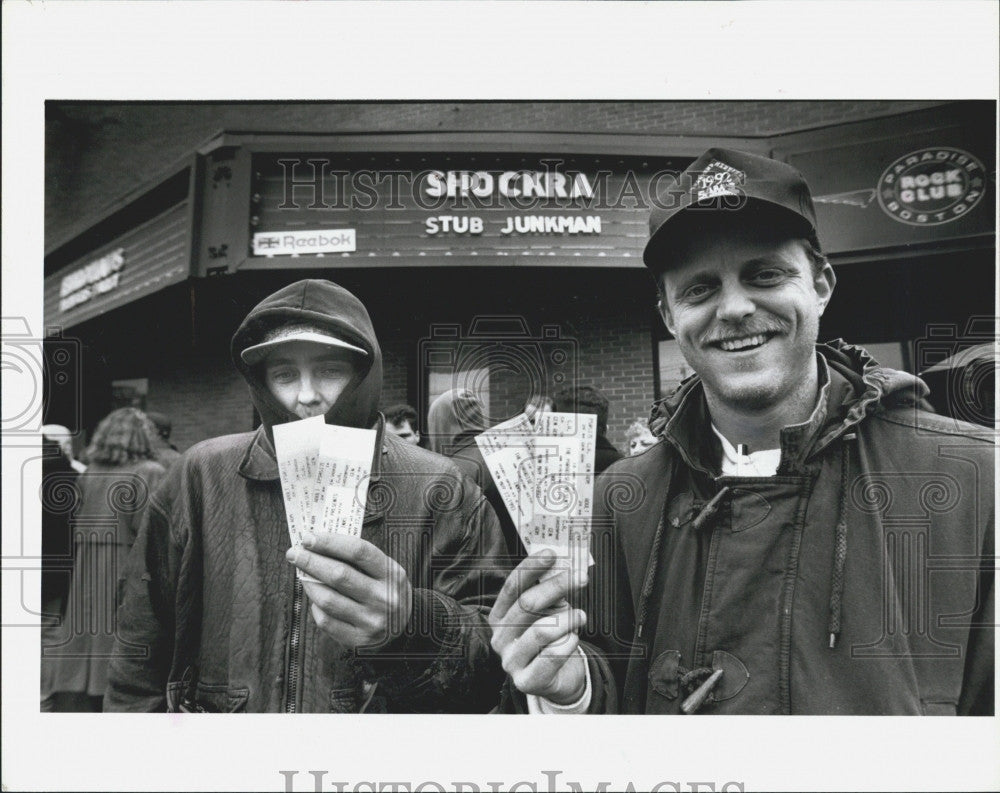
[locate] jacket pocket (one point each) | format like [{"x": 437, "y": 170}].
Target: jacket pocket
[
  {"x": 352, "y": 700},
  {"x": 663, "y": 674},
  {"x": 217, "y": 698}
]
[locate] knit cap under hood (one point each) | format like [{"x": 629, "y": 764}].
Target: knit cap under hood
[{"x": 324, "y": 305}]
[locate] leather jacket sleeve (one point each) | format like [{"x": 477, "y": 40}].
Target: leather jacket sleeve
[{"x": 443, "y": 662}]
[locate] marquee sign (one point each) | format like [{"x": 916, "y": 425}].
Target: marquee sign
[{"x": 403, "y": 207}]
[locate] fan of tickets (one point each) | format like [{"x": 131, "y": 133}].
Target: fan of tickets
[
  {"x": 545, "y": 475},
  {"x": 324, "y": 471}
]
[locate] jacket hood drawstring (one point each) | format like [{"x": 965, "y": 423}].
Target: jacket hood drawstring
[{"x": 840, "y": 543}]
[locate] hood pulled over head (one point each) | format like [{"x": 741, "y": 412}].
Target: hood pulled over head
[
  {"x": 452, "y": 414},
  {"x": 333, "y": 311}
]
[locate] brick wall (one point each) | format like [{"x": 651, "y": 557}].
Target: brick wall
[
  {"x": 613, "y": 355},
  {"x": 609, "y": 347},
  {"x": 205, "y": 399},
  {"x": 394, "y": 372},
  {"x": 617, "y": 359}
]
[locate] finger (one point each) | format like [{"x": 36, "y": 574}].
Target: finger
[
  {"x": 357, "y": 552},
  {"x": 541, "y": 673},
  {"x": 540, "y": 604},
  {"x": 336, "y": 574},
  {"x": 336, "y": 605},
  {"x": 341, "y": 632},
  {"x": 541, "y": 638},
  {"x": 539, "y": 601},
  {"x": 525, "y": 575}
]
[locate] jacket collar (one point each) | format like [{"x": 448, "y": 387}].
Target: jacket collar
[
  {"x": 688, "y": 428},
  {"x": 260, "y": 462}
]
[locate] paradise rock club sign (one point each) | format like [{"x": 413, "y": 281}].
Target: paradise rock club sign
[{"x": 931, "y": 186}]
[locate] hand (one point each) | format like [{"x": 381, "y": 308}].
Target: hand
[
  {"x": 363, "y": 597},
  {"x": 535, "y": 632}
]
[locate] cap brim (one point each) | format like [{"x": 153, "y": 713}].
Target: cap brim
[
  {"x": 257, "y": 353},
  {"x": 674, "y": 226}
]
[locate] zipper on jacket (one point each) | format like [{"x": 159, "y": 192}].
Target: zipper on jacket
[{"x": 293, "y": 672}]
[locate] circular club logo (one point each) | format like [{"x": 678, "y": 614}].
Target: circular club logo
[{"x": 931, "y": 186}]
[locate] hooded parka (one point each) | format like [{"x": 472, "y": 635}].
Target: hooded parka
[
  {"x": 213, "y": 617},
  {"x": 857, "y": 580}
]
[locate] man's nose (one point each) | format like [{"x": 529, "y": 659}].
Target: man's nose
[
  {"x": 307, "y": 394},
  {"x": 734, "y": 304}
]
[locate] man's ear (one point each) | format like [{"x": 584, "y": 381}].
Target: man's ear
[
  {"x": 665, "y": 313},
  {"x": 823, "y": 282}
]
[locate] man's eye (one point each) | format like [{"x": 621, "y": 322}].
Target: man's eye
[
  {"x": 768, "y": 276},
  {"x": 697, "y": 291},
  {"x": 281, "y": 375},
  {"x": 335, "y": 371}
]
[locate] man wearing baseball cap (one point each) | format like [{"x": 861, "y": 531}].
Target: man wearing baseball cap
[
  {"x": 773, "y": 554},
  {"x": 214, "y": 617}
]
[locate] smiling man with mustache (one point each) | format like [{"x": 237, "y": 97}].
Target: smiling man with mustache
[{"x": 772, "y": 553}]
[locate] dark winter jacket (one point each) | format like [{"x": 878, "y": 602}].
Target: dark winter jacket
[
  {"x": 60, "y": 497},
  {"x": 466, "y": 455},
  {"x": 210, "y": 594},
  {"x": 857, "y": 580},
  {"x": 605, "y": 454}
]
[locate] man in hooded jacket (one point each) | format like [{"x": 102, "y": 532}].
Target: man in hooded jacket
[
  {"x": 213, "y": 616},
  {"x": 454, "y": 420},
  {"x": 804, "y": 538}
]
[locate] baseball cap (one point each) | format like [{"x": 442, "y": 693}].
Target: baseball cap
[
  {"x": 729, "y": 180},
  {"x": 289, "y": 333}
]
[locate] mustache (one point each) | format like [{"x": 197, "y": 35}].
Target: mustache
[{"x": 718, "y": 335}]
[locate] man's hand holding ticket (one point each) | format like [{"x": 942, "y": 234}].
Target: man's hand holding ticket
[
  {"x": 535, "y": 631},
  {"x": 357, "y": 594},
  {"x": 545, "y": 474}
]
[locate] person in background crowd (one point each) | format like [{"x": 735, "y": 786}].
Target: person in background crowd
[
  {"x": 114, "y": 492},
  {"x": 401, "y": 421},
  {"x": 639, "y": 437},
  {"x": 772, "y": 554},
  {"x": 60, "y": 497},
  {"x": 62, "y": 436},
  {"x": 392, "y": 620},
  {"x": 587, "y": 399},
  {"x": 166, "y": 452},
  {"x": 455, "y": 419},
  {"x": 59, "y": 500},
  {"x": 536, "y": 405}
]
